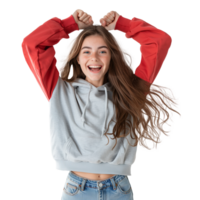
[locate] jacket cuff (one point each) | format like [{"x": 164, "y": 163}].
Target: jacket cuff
[
  {"x": 123, "y": 24},
  {"x": 69, "y": 24}
]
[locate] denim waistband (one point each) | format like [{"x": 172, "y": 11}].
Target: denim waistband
[{"x": 98, "y": 184}]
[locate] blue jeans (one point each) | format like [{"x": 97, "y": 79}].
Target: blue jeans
[{"x": 117, "y": 187}]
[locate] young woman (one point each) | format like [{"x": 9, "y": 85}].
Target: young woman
[{"x": 103, "y": 98}]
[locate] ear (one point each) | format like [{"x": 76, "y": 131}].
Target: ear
[{"x": 78, "y": 61}]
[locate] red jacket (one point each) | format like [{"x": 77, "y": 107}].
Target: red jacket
[{"x": 39, "y": 52}]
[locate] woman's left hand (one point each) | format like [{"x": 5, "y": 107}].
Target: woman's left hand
[{"x": 109, "y": 21}]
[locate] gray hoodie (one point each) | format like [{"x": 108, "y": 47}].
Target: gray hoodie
[{"x": 79, "y": 116}]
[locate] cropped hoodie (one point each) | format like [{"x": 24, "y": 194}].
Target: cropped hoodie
[{"x": 80, "y": 113}]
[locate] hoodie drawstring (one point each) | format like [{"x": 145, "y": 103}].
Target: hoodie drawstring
[
  {"x": 83, "y": 115},
  {"x": 106, "y": 104}
]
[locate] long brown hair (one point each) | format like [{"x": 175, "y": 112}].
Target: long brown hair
[{"x": 132, "y": 96}]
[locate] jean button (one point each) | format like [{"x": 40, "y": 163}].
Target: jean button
[{"x": 100, "y": 184}]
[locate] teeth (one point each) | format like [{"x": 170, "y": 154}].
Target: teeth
[{"x": 95, "y": 66}]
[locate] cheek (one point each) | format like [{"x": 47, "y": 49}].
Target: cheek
[
  {"x": 107, "y": 59},
  {"x": 106, "y": 70},
  {"x": 83, "y": 59}
]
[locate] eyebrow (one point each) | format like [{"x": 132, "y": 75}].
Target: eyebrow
[{"x": 91, "y": 48}]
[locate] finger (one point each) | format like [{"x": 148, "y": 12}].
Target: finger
[
  {"x": 83, "y": 16},
  {"x": 87, "y": 19},
  {"x": 109, "y": 15},
  {"x": 112, "y": 16},
  {"x": 109, "y": 18},
  {"x": 80, "y": 13},
  {"x": 109, "y": 21},
  {"x": 90, "y": 19},
  {"x": 103, "y": 22}
]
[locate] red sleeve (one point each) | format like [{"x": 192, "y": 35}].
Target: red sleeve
[
  {"x": 154, "y": 45},
  {"x": 39, "y": 52}
]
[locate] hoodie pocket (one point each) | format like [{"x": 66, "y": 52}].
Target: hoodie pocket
[{"x": 124, "y": 186}]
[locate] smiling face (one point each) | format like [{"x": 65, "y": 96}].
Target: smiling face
[{"x": 94, "y": 52}]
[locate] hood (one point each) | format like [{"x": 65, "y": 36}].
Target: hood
[{"x": 87, "y": 87}]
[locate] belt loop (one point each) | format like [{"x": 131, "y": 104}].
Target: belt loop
[
  {"x": 83, "y": 184},
  {"x": 114, "y": 184}
]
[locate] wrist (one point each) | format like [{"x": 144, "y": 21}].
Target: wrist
[
  {"x": 123, "y": 24},
  {"x": 69, "y": 24}
]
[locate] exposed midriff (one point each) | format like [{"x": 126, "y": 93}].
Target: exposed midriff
[{"x": 92, "y": 176}]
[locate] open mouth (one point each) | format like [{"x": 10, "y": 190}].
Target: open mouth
[{"x": 95, "y": 70}]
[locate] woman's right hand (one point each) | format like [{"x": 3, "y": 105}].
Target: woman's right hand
[{"x": 82, "y": 19}]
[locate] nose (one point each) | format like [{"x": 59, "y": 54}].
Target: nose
[{"x": 94, "y": 57}]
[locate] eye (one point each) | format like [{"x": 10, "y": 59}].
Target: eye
[{"x": 88, "y": 51}]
